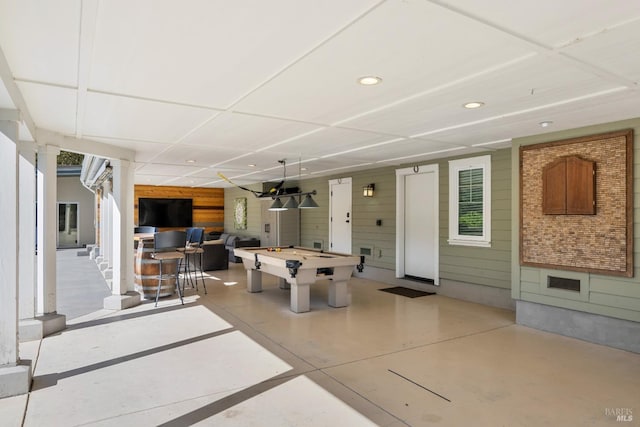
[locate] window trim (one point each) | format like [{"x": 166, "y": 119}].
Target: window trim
[{"x": 480, "y": 162}]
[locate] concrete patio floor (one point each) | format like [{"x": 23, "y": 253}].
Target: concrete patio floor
[{"x": 236, "y": 358}]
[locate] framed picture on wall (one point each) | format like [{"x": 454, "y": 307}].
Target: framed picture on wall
[{"x": 240, "y": 213}]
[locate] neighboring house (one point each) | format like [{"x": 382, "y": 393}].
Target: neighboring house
[{"x": 75, "y": 210}]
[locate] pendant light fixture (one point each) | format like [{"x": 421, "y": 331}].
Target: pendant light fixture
[
  {"x": 292, "y": 203},
  {"x": 308, "y": 202},
  {"x": 277, "y": 205}
]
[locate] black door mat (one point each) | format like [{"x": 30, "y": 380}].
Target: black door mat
[{"x": 406, "y": 292}]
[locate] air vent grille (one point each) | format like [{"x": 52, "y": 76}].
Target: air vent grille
[{"x": 563, "y": 283}]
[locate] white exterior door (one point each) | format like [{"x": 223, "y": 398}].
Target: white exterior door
[
  {"x": 340, "y": 215},
  {"x": 417, "y": 223}
]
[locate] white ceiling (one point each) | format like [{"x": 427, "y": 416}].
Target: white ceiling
[{"x": 198, "y": 87}]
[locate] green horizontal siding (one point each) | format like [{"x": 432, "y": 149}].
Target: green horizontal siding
[
  {"x": 254, "y": 213},
  {"x": 530, "y": 287},
  {"x": 528, "y": 274},
  {"x": 614, "y": 287},
  {"x": 485, "y": 266},
  {"x": 615, "y": 301},
  {"x": 314, "y": 223}
]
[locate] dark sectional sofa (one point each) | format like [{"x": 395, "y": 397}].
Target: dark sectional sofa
[
  {"x": 215, "y": 256},
  {"x": 218, "y": 250},
  {"x": 232, "y": 241}
]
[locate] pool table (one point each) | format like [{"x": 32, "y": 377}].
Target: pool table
[{"x": 297, "y": 269}]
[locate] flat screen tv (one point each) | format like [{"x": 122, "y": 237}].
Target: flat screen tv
[{"x": 165, "y": 212}]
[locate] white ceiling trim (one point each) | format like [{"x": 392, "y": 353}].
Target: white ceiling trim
[
  {"x": 305, "y": 55},
  {"x": 280, "y": 81},
  {"x": 82, "y": 145},
  {"x": 232, "y": 159},
  {"x": 521, "y": 112},
  {"x": 543, "y": 49},
  {"x": 440, "y": 88},
  {"x": 598, "y": 32},
  {"x": 430, "y": 153},
  {"x": 48, "y": 84},
  {"x": 160, "y": 101},
  {"x": 302, "y": 135},
  {"x": 89, "y": 16},
  {"x": 350, "y": 167},
  {"x": 367, "y": 147}
]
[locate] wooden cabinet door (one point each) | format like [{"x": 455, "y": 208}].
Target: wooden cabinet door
[
  {"x": 554, "y": 179},
  {"x": 580, "y": 187},
  {"x": 569, "y": 187}
]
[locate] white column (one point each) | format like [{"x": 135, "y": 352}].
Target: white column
[
  {"x": 14, "y": 378},
  {"x": 104, "y": 262},
  {"x": 103, "y": 223},
  {"x": 48, "y": 320},
  {"x": 106, "y": 224},
  {"x": 8, "y": 249},
  {"x": 27, "y": 265},
  {"x": 47, "y": 228},
  {"x": 96, "y": 222},
  {"x": 67, "y": 219},
  {"x": 122, "y": 220},
  {"x": 121, "y": 236}
]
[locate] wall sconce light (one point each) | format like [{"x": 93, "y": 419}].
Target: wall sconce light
[{"x": 367, "y": 191}]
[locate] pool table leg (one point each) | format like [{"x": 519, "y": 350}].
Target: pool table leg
[
  {"x": 338, "y": 294},
  {"x": 283, "y": 284},
  {"x": 300, "y": 298},
  {"x": 254, "y": 281}
]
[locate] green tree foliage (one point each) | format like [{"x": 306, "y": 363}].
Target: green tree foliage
[{"x": 65, "y": 158}]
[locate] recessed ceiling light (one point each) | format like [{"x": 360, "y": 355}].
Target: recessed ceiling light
[
  {"x": 252, "y": 165},
  {"x": 191, "y": 161},
  {"x": 473, "y": 104},
  {"x": 369, "y": 80},
  {"x": 546, "y": 123},
  {"x": 303, "y": 169}
]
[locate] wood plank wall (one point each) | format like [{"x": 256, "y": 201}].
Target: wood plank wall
[{"x": 208, "y": 203}]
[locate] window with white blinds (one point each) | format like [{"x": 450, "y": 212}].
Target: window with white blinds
[{"x": 470, "y": 201}]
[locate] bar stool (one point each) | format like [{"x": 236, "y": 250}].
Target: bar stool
[
  {"x": 185, "y": 270},
  {"x": 194, "y": 251},
  {"x": 165, "y": 250}
]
